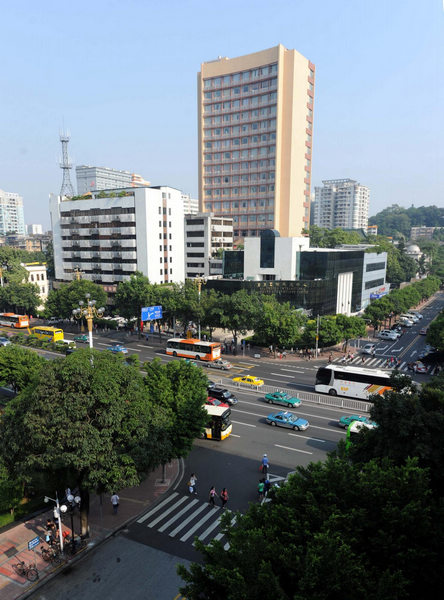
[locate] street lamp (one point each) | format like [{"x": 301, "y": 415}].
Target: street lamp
[
  {"x": 57, "y": 510},
  {"x": 72, "y": 502},
  {"x": 89, "y": 311}
]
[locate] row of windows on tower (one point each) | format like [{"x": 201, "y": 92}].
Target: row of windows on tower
[{"x": 248, "y": 75}]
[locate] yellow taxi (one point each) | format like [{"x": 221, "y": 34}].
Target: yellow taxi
[{"x": 249, "y": 379}]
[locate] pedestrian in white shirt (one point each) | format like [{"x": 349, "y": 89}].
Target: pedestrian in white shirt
[{"x": 115, "y": 502}]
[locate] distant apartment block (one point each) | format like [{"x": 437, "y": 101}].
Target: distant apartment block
[
  {"x": 37, "y": 275},
  {"x": 205, "y": 235},
  {"x": 255, "y": 140},
  {"x": 34, "y": 229},
  {"x": 11, "y": 213},
  {"x": 190, "y": 205},
  {"x": 103, "y": 178},
  {"x": 109, "y": 238},
  {"x": 422, "y": 232},
  {"x": 341, "y": 203}
]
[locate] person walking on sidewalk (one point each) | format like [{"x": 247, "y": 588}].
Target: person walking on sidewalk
[
  {"x": 224, "y": 497},
  {"x": 115, "y": 502},
  {"x": 193, "y": 483},
  {"x": 212, "y": 496}
]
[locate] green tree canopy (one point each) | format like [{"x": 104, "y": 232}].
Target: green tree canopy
[
  {"x": 62, "y": 301},
  {"x": 397, "y": 221},
  {"x": 19, "y": 367},
  {"x": 132, "y": 295},
  {"x": 278, "y": 323},
  {"x": 240, "y": 311},
  {"x": 330, "y": 238}
]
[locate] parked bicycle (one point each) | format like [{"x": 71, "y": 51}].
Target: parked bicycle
[{"x": 24, "y": 570}]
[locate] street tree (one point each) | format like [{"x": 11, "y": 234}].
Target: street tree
[
  {"x": 329, "y": 332},
  {"x": 62, "y": 301},
  {"x": 350, "y": 327},
  {"x": 22, "y": 298},
  {"x": 278, "y": 324},
  {"x": 211, "y": 310},
  {"x": 90, "y": 422},
  {"x": 134, "y": 294},
  {"x": 334, "y": 530},
  {"x": 240, "y": 311},
  {"x": 19, "y": 367}
]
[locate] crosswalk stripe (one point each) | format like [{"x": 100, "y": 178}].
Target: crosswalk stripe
[
  {"x": 209, "y": 529},
  {"x": 167, "y": 512},
  {"x": 158, "y": 507},
  {"x": 179, "y": 514},
  {"x": 195, "y": 527},
  {"x": 402, "y": 365},
  {"x": 187, "y": 520}
]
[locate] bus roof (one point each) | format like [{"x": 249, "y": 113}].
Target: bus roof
[
  {"x": 216, "y": 411},
  {"x": 46, "y": 328},
  {"x": 363, "y": 370},
  {"x": 191, "y": 341}
]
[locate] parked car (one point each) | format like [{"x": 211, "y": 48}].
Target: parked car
[
  {"x": 423, "y": 331},
  {"x": 416, "y": 313},
  {"x": 215, "y": 402},
  {"x": 413, "y": 317},
  {"x": 287, "y": 419},
  {"x": 118, "y": 349},
  {"x": 398, "y": 328},
  {"x": 4, "y": 341},
  {"x": 346, "y": 420},
  {"x": 386, "y": 334},
  {"x": 368, "y": 349},
  {"x": 417, "y": 367},
  {"x": 83, "y": 338},
  {"x": 405, "y": 322},
  {"x": 219, "y": 363},
  {"x": 282, "y": 398},
  {"x": 223, "y": 395}
]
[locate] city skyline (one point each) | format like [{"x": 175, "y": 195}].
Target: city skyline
[{"x": 126, "y": 91}]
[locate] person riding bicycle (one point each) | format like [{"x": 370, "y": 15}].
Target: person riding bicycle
[{"x": 265, "y": 464}]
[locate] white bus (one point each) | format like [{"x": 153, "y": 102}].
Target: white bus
[
  {"x": 355, "y": 382},
  {"x": 194, "y": 349}
]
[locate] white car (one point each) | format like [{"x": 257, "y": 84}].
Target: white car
[
  {"x": 386, "y": 334},
  {"x": 414, "y": 317},
  {"x": 219, "y": 363},
  {"x": 405, "y": 322},
  {"x": 416, "y": 313},
  {"x": 369, "y": 349},
  {"x": 4, "y": 341}
]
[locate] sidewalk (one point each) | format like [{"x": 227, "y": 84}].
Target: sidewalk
[{"x": 103, "y": 523}]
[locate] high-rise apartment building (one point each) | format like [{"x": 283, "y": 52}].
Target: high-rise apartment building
[
  {"x": 103, "y": 178},
  {"x": 255, "y": 140},
  {"x": 190, "y": 205},
  {"x": 12, "y": 219},
  {"x": 111, "y": 236},
  {"x": 205, "y": 235},
  {"x": 34, "y": 229},
  {"x": 341, "y": 203}
]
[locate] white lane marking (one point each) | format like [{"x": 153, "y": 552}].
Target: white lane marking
[
  {"x": 234, "y": 435},
  {"x": 414, "y": 352},
  {"x": 195, "y": 527},
  {"x": 178, "y": 515},
  {"x": 277, "y": 380},
  {"x": 102, "y": 344},
  {"x": 209, "y": 530},
  {"x": 306, "y": 438},
  {"x": 156, "y": 508},
  {"x": 167, "y": 512},
  {"x": 281, "y": 375},
  {"x": 133, "y": 350},
  {"x": 292, "y": 371},
  {"x": 402, "y": 365},
  {"x": 221, "y": 535},
  {"x": 188, "y": 519},
  {"x": 140, "y": 346},
  {"x": 245, "y": 364},
  {"x": 294, "y": 449},
  {"x": 246, "y": 424}
]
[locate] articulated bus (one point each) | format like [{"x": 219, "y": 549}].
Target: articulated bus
[
  {"x": 355, "y": 382},
  {"x": 12, "y": 320},
  {"x": 52, "y": 334},
  {"x": 193, "y": 348},
  {"x": 219, "y": 424}
]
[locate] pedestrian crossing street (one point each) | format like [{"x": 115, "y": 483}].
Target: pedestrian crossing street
[
  {"x": 376, "y": 363},
  {"x": 185, "y": 516}
]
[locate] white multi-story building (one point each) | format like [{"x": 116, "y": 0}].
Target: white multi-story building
[
  {"x": 109, "y": 238},
  {"x": 37, "y": 275},
  {"x": 34, "y": 229},
  {"x": 103, "y": 178},
  {"x": 341, "y": 203},
  {"x": 190, "y": 205},
  {"x": 205, "y": 234},
  {"x": 11, "y": 213}
]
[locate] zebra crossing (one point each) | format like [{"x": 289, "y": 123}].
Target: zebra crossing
[
  {"x": 183, "y": 517},
  {"x": 375, "y": 362}
]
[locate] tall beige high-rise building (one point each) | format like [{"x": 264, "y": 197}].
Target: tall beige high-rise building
[{"x": 255, "y": 140}]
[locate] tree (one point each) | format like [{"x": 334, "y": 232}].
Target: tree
[
  {"x": 334, "y": 530},
  {"x": 396, "y": 220},
  {"x": 435, "y": 332},
  {"x": 278, "y": 323},
  {"x": 331, "y": 238},
  {"x": 240, "y": 310},
  {"x": 329, "y": 332},
  {"x": 132, "y": 295},
  {"x": 62, "y": 301},
  {"x": 211, "y": 309},
  {"x": 19, "y": 367},
  {"x": 351, "y": 327},
  {"x": 20, "y": 297}
]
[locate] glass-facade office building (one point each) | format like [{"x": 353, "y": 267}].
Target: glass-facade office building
[{"x": 255, "y": 140}]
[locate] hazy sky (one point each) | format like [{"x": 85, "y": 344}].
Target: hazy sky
[{"x": 121, "y": 77}]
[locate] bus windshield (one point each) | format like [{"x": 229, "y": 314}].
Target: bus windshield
[
  {"x": 355, "y": 382},
  {"x": 219, "y": 423}
]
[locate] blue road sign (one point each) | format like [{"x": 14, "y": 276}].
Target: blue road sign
[
  {"x": 33, "y": 543},
  {"x": 150, "y": 313}
]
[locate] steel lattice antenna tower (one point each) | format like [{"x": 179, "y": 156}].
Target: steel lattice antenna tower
[{"x": 65, "y": 165}]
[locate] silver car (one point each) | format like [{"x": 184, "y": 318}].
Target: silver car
[{"x": 219, "y": 363}]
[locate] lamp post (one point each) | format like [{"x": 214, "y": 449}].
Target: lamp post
[
  {"x": 57, "y": 510},
  {"x": 72, "y": 502},
  {"x": 89, "y": 311},
  {"x": 200, "y": 282}
]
